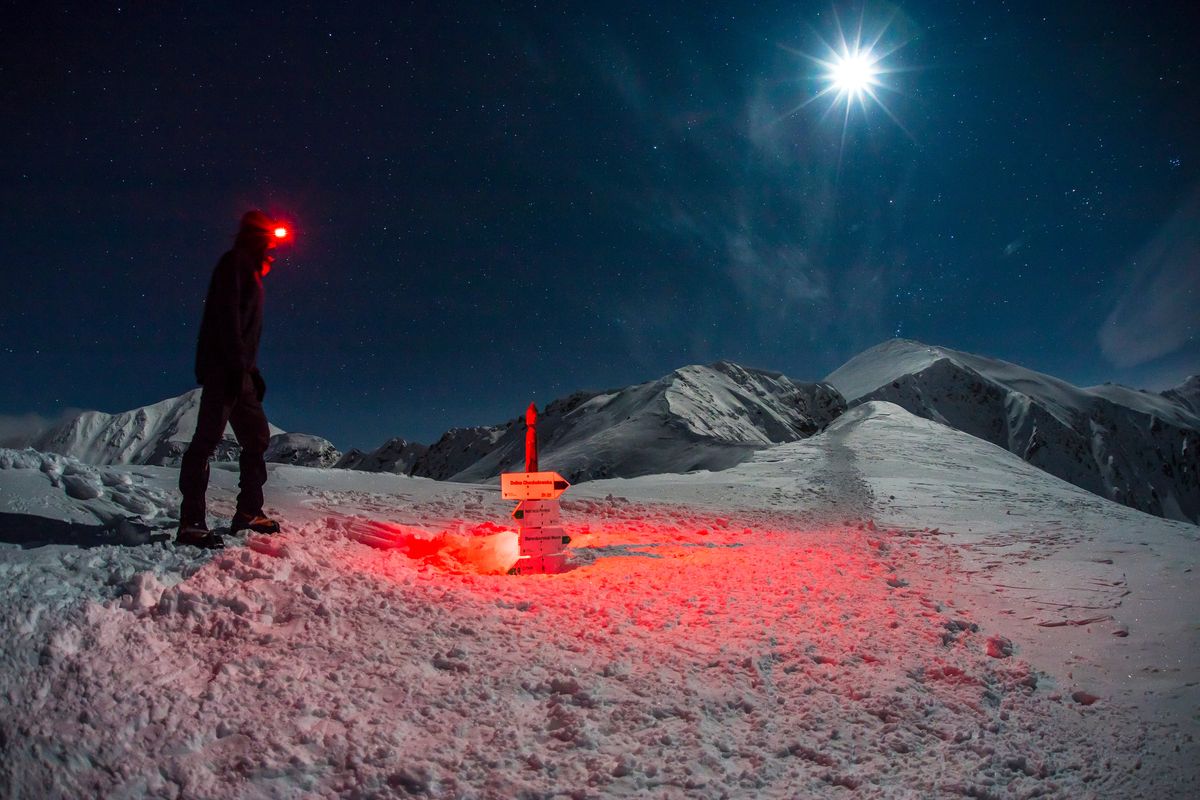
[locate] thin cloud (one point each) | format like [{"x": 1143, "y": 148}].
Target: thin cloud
[
  {"x": 779, "y": 253},
  {"x": 1159, "y": 310}
]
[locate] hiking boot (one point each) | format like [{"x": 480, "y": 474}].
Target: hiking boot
[
  {"x": 259, "y": 523},
  {"x": 198, "y": 535}
]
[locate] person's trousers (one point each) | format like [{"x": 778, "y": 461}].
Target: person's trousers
[{"x": 221, "y": 405}]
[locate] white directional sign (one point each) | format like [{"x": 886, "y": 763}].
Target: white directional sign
[
  {"x": 543, "y": 564},
  {"x": 532, "y": 485},
  {"x": 543, "y": 541},
  {"x": 536, "y": 513}
]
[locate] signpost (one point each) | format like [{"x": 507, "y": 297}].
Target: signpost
[
  {"x": 532, "y": 485},
  {"x": 542, "y": 542}
]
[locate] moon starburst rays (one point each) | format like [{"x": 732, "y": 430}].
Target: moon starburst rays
[{"x": 852, "y": 73}]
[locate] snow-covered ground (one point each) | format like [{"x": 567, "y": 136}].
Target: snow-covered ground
[{"x": 891, "y": 608}]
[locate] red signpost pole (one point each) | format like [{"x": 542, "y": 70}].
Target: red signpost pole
[{"x": 531, "y": 459}]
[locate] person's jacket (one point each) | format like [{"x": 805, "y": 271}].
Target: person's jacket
[{"x": 232, "y": 323}]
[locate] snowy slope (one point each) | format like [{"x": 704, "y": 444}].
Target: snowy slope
[
  {"x": 888, "y": 609},
  {"x": 154, "y": 434},
  {"x": 1137, "y": 448},
  {"x": 1187, "y": 394},
  {"x": 698, "y": 417}
]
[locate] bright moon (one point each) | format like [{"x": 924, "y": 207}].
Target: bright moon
[
  {"x": 854, "y": 71},
  {"x": 853, "y": 74}
]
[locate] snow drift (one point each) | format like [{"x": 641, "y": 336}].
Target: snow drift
[{"x": 302, "y": 450}]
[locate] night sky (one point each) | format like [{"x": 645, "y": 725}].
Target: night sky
[{"x": 498, "y": 203}]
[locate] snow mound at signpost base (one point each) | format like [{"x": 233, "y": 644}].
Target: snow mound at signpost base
[{"x": 484, "y": 548}]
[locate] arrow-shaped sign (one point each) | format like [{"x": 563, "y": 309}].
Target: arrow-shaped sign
[
  {"x": 532, "y": 485},
  {"x": 536, "y": 513}
]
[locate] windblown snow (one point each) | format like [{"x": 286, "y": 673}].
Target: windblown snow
[{"x": 889, "y": 608}]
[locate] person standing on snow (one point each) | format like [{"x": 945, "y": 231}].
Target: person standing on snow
[{"x": 227, "y": 368}]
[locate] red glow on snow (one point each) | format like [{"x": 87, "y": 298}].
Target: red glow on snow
[
  {"x": 822, "y": 598},
  {"x": 667, "y": 576},
  {"x": 459, "y": 547}
]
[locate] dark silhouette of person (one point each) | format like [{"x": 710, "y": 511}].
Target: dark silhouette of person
[{"x": 233, "y": 388}]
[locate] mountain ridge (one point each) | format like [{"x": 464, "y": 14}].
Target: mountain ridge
[
  {"x": 158, "y": 435},
  {"x": 1134, "y": 447},
  {"x": 699, "y": 417}
]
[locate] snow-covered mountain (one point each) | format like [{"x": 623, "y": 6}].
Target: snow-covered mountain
[
  {"x": 302, "y": 450},
  {"x": 395, "y": 455},
  {"x": 1138, "y": 448},
  {"x": 1186, "y": 394},
  {"x": 697, "y": 417},
  {"x": 156, "y": 434}
]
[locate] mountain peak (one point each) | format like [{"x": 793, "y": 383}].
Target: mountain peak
[
  {"x": 1186, "y": 394},
  {"x": 155, "y": 434},
  {"x": 696, "y": 417},
  {"x": 1099, "y": 438}
]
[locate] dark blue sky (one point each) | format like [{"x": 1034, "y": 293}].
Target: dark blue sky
[{"x": 499, "y": 203}]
